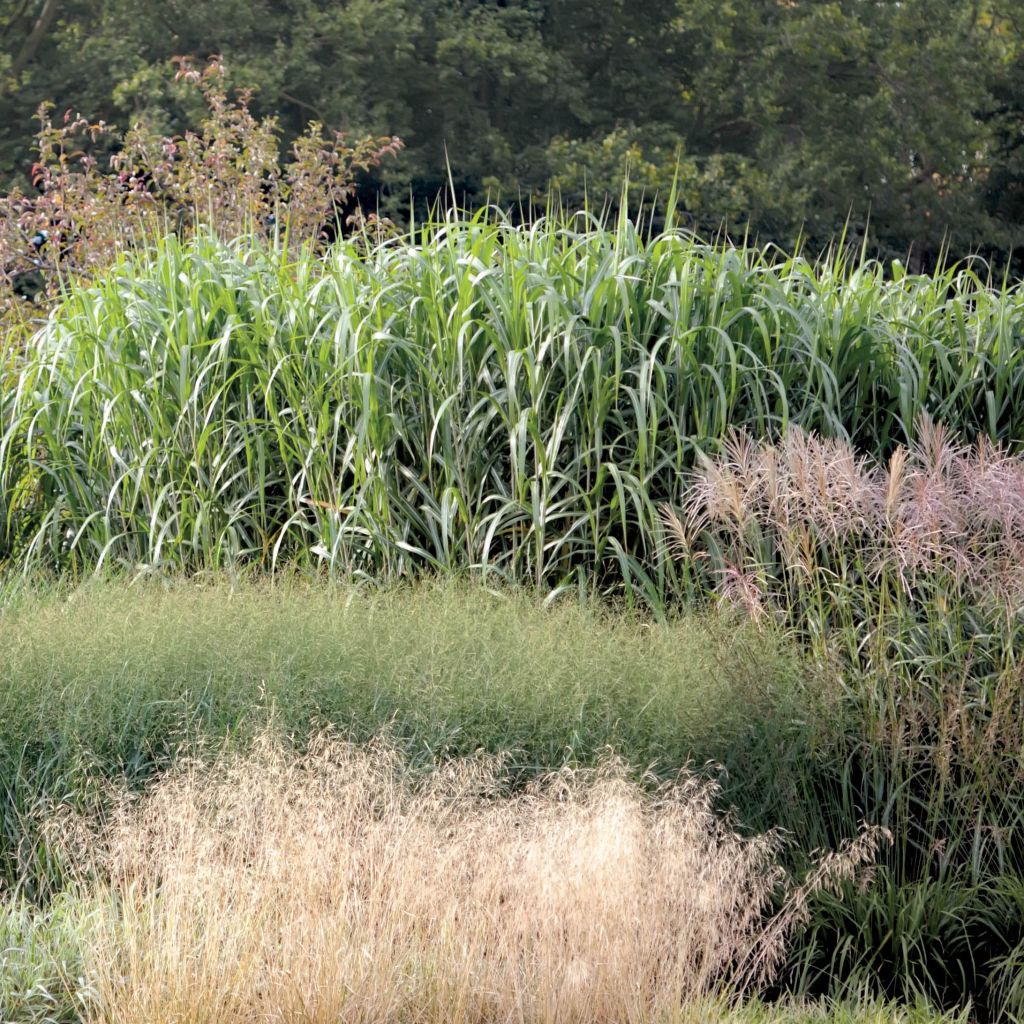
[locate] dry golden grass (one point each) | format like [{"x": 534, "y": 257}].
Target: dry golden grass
[{"x": 329, "y": 888}]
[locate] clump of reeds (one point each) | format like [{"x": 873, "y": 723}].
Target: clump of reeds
[
  {"x": 474, "y": 396},
  {"x": 911, "y": 570},
  {"x": 330, "y": 888}
]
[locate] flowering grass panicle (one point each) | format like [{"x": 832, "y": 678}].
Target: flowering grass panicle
[{"x": 332, "y": 887}]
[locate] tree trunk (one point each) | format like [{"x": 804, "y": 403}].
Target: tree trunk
[{"x": 35, "y": 37}]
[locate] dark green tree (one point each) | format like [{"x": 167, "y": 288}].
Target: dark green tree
[{"x": 898, "y": 122}]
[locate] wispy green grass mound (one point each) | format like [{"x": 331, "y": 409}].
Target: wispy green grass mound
[
  {"x": 119, "y": 678},
  {"x": 479, "y": 396}
]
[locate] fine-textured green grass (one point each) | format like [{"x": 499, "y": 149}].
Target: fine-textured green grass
[
  {"x": 119, "y": 676},
  {"x": 41, "y": 962},
  {"x": 476, "y": 395}
]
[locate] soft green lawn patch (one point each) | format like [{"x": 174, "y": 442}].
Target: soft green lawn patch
[{"x": 110, "y": 681}]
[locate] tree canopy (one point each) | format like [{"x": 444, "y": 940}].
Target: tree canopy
[{"x": 901, "y": 122}]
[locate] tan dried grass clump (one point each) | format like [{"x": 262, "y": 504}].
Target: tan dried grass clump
[{"x": 329, "y": 888}]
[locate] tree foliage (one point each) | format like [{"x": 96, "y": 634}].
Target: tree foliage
[{"x": 899, "y": 122}]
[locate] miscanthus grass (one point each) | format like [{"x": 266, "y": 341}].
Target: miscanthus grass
[{"x": 476, "y": 396}]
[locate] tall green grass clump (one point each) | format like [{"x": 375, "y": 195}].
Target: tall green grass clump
[{"x": 477, "y": 396}]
